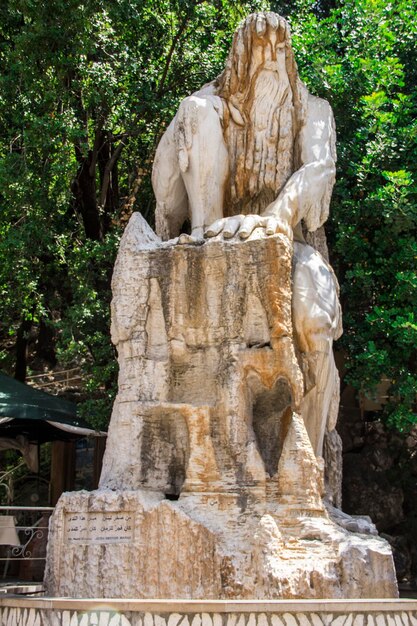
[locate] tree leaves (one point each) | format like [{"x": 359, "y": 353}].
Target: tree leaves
[
  {"x": 85, "y": 92},
  {"x": 363, "y": 60}
]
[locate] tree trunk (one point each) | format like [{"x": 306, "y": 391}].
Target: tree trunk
[
  {"x": 21, "y": 348},
  {"x": 109, "y": 180},
  {"x": 85, "y": 197},
  {"x": 45, "y": 345}
]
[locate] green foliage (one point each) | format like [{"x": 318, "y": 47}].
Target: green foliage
[
  {"x": 85, "y": 93},
  {"x": 86, "y": 90},
  {"x": 83, "y": 333},
  {"x": 362, "y": 58}
]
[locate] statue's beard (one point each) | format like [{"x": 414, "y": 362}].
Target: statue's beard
[
  {"x": 269, "y": 93},
  {"x": 261, "y": 153}
]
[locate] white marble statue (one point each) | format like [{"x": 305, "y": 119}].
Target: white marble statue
[{"x": 254, "y": 149}]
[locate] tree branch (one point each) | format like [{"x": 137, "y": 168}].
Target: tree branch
[
  {"x": 180, "y": 31},
  {"x": 176, "y": 39},
  {"x": 107, "y": 171},
  {"x": 96, "y": 147}
]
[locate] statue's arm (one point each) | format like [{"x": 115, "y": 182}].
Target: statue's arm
[
  {"x": 187, "y": 164},
  {"x": 306, "y": 195}
]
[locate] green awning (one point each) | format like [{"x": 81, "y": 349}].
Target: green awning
[{"x": 37, "y": 415}]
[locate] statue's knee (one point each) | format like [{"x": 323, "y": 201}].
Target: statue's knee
[
  {"x": 314, "y": 335},
  {"x": 321, "y": 340}
]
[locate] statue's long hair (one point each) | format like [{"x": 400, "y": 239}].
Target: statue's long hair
[
  {"x": 247, "y": 189},
  {"x": 233, "y": 81}
]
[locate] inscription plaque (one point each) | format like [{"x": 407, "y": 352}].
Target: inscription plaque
[{"x": 99, "y": 527}]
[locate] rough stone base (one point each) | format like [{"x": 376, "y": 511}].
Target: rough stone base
[
  {"x": 173, "y": 551},
  {"x": 212, "y": 484}
]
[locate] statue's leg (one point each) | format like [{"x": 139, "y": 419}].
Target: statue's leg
[
  {"x": 203, "y": 160},
  {"x": 168, "y": 185},
  {"x": 316, "y": 315}
]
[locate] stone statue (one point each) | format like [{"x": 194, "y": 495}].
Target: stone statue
[
  {"x": 251, "y": 149},
  {"x": 254, "y": 149},
  {"x": 212, "y": 483}
]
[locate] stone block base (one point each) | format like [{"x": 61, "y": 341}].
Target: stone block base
[{"x": 136, "y": 544}]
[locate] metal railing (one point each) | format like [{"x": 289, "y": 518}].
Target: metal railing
[
  {"x": 56, "y": 380},
  {"x": 31, "y": 525}
]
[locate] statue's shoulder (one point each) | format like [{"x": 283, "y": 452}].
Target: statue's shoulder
[
  {"x": 209, "y": 92},
  {"x": 317, "y": 105},
  {"x": 319, "y": 119},
  {"x": 317, "y": 136},
  {"x": 209, "y": 89}
]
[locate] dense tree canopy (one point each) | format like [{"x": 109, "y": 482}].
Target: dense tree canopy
[
  {"x": 86, "y": 89},
  {"x": 362, "y": 58}
]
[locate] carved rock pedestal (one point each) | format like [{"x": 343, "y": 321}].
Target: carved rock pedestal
[{"x": 210, "y": 487}]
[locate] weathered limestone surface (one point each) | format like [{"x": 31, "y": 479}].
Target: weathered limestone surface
[
  {"x": 208, "y": 412},
  {"x": 201, "y": 356}
]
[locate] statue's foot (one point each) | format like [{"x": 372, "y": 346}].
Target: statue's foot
[{"x": 190, "y": 240}]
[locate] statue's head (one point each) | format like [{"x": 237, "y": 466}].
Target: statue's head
[
  {"x": 261, "y": 43},
  {"x": 265, "y": 105}
]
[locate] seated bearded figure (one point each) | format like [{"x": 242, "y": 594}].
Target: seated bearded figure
[{"x": 255, "y": 150}]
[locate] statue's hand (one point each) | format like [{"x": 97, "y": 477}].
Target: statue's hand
[{"x": 244, "y": 225}]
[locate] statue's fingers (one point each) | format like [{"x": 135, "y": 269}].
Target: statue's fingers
[
  {"x": 232, "y": 226},
  {"x": 271, "y": 225},
  {"x": 283, "y": 30},
  {"x": 215, "y": 228},
  {"x": 250, "y": 222},
  {"x": 260, "y": 25},
  {"x": 272, "y": 19}
]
